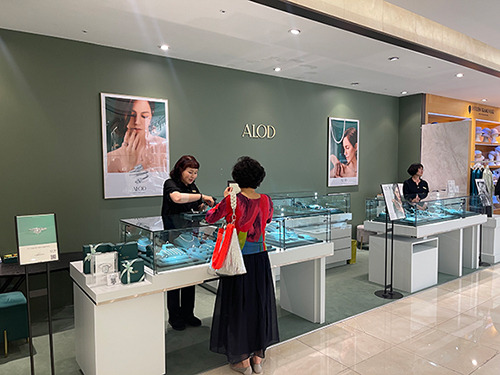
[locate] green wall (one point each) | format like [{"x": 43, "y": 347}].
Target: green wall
[
  {"x": 410, "y": 123},
  {"x": 51, "y": 131}
]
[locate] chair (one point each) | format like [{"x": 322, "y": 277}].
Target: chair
[{"x": 13, "y": 318}]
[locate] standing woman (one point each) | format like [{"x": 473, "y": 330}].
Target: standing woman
[
  {"x": 415, "y": 189},
  {"x": 180, "y": 194},
  {"x": 245, "y": 322}
]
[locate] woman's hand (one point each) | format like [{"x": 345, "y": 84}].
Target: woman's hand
[
  {"x": 131, "y": 149},
  {"x": 208, "y": 200},
  {"x": 335, "y": 171},
  {"x": 228, "y": 190}
]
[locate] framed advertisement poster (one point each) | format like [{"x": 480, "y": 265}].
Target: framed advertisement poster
[
  {"x": 393, "y": 201},
  {"x": 37, "y": 239},
  {"x": 343, "y": 141},
  {"x": 135, "y": 145}
]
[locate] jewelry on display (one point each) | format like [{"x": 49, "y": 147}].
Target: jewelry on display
[{"x": 341, "y": 137}]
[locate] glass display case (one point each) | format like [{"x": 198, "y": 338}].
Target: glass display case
[
  {"x": 300, "y": 219},
  {"x": 306, "y": 218},
  {"x": 425, "y": 212},
  {"x": 310, "y": 202},
  {"x": 163, "y": 250}
]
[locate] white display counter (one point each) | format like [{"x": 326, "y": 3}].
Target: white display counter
[
  {"x": 415, "y": 262},
  {"x": 458, "y": 240},
  {"x": 121, "y": 328}
]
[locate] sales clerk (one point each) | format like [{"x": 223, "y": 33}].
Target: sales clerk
[
  {"x": 415, "y": 189},
  {"x": 180, "y": 195}
]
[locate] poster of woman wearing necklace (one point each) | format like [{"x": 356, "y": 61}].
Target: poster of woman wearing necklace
[{"x": 343, "y": 151}]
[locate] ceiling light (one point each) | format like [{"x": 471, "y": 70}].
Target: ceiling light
[
  {"x": 459, "y": 75},
  {"x": 354, "y": 83},
  {"x": 484, "y": 100},
  {"x": 164, "y": 47},
  {"x": 294, "y": 31},
  {"x": 404, "y": 92},
  {"x": 277, "y": 69},
  {"x": 393, "y": 58},
  {"x": 222, "y": 11}
]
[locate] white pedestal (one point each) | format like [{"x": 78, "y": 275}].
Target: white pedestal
[
  {"x": 415, "y": 262},
  {"x": 458, "y": 240},
  {"x": 123, "y": 337},
  {"x": 491, "y": 240},
  {"x": 302, "y": 279}
]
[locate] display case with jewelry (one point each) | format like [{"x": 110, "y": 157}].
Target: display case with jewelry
[
  {"x": 425, "y": 212},
  {"x": 305, "y": 218},
  {"x": 191, "y": 243}
]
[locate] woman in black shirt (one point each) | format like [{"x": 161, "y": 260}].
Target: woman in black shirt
[
  {"x": 415, "y": 189},
  {"x": 180, "y": 194}
]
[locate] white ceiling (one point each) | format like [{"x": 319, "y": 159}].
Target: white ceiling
[{"x": 244, "y": 35}]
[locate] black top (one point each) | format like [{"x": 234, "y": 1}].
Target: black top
[
  {"x": 170, "y": 209},
  {"x": 411, "y": 189}
]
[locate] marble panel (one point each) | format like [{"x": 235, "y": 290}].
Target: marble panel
[{"x": 445, "y": 154}]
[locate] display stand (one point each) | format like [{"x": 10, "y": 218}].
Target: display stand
[
  {"x": 37, "y": 243},
  {"x": 388, "y": 292},
  {"x": 393, "y": 210}
]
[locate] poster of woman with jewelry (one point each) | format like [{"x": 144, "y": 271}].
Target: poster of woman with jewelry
[
  {"x": 135, "y": 145},
  {"x": 343, "y": 141}
]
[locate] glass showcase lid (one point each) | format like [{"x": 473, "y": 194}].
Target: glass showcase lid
[{"x": 427, "y": 211}]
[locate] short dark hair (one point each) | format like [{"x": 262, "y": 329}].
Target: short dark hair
[
  {"x": 185, "y": 161},
  {"x": 248, "y": 173},
  {"x": 413, "y": 169}
]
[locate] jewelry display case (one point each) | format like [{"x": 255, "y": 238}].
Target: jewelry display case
[
  {"x": 164, "y": 250},
  {"x": 307, "y": 217},
  {"x": 425, "y": 212},
  {"x": 454, "y": 221}
]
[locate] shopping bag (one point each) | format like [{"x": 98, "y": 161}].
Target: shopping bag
[
  {"x": 222, "y": 243},
  {"x": 227, "y": 259},
  {"x": 233, "y": 262}
]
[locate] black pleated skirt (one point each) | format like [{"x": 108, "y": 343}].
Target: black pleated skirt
[{"x": 245, "y": 321}]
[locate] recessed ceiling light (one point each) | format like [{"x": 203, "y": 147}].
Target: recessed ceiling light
[
  {"x": 354, "y": 83},
  {"x": 294, "y": 31},
  {"x": 459, "y": 75},
  {"x": 84, "y": 31},
  {"x": 393, "y": 58},
  {"x": 484, "y": 100},
  {"x": 222, "y": 11},
  {"x": 164, "y": 47},
  {"x": 404, "y": 92},
  {"x": 277, "y": 69}
]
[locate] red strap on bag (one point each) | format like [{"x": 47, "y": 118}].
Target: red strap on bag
[{"x": 222, "y": 246}]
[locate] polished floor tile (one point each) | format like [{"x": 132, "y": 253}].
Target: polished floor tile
[
  {"x": 345, "y": 344},
  {"x": 458, "y": 354},
  {"x": 480, "y": 331},
  {"x": 397, "y": 361},
  {"x": 295, "y": 357},
  {"x": 449, "y": 329},
  {"x": 386, "y": 326}
]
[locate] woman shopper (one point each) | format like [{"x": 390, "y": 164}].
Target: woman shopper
[{"x": 245, "y": 323}]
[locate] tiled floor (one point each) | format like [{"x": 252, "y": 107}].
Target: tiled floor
[{"x": 448, "y": 329}]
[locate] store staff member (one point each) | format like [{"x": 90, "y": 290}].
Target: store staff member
[
  {"x": 180, "y": 194},
  {"x": 415, "y": 189}
]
